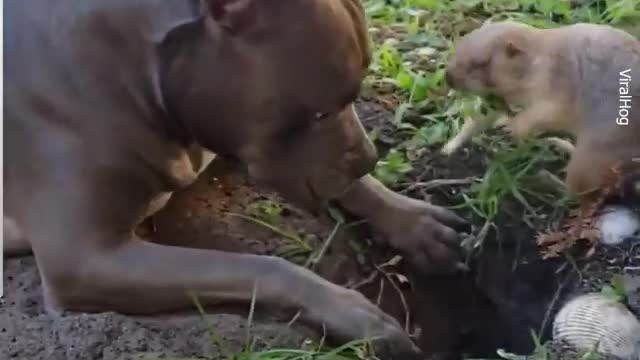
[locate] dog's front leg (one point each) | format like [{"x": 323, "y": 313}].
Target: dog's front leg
[
  {"x": 422, "y": 231},
  {"x": 88, "y": 263}
]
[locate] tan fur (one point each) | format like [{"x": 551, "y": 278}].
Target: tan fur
[{"x": 565, "y": 79}]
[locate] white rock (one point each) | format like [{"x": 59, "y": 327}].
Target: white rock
[
  {"x": 595, "y": 322},
  {"x": 618, "y": 223}
]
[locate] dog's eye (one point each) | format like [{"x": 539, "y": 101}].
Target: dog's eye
[{"x": 319, "y": 116}]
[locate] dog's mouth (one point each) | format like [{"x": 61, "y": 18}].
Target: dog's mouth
[
  {"x": 313, "y": 195},
  {"x": 315, "y": 202}
]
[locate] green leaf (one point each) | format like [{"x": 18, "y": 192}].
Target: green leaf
[
  {"x": 425, "y": 4},
  {"x": 404, "y": 80},
  {"x": 336, "y": 215}
]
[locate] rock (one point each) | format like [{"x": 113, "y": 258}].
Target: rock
[
  {"x": 618, "y": 224},
  {"x": 598, "y": 322}
]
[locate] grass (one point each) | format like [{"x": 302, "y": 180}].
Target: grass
[
  {"x": 268, "y": 214},
  {"x": 355, "y": 350},
  {"x": 411, "y": 41}
]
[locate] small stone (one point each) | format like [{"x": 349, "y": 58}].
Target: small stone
[{"x": 618, "y": 224}]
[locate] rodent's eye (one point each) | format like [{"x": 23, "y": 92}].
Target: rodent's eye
[{"x": 479, "y": 63}]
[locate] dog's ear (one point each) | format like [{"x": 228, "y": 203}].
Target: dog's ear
[{"x": 232, "y": 16}]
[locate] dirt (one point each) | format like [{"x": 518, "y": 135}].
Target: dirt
[{"x": 509, "y": 291}]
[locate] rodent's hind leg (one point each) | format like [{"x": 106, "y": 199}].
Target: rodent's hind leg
[{"x": 588, "y": 170}]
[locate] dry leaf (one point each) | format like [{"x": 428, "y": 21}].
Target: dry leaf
[
  {"x": 393, "y": 262},
  {"x": 582, "y": 223},
  {"x": 401, "y": 278}
]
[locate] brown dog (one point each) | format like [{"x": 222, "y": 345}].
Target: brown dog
[
  {"x": 579, "y": 79},
  {"x": 110, "y": 105}
]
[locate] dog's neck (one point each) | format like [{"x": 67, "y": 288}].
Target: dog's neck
[{"x": 194, "y": 89}]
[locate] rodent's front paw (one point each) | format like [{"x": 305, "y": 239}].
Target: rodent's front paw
[
  {"x": 450, "y": 147},
  {"x": 517, "y": 129}
]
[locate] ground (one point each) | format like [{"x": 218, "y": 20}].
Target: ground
[{"x": 502, "y": 186}]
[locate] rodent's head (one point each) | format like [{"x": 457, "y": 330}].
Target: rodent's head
[{"x": 493, "y": 59}]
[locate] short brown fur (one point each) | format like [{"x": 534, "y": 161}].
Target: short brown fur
[{"x": 112, "y": 105}]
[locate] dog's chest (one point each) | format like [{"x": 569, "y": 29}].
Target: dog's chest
[{"x": 183, "y": 170}]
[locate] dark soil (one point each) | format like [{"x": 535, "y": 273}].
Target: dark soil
[{"x": 509, "y": 291}]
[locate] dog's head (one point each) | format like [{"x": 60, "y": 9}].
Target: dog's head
[
  {"x": 275, "y": 87},
  {"x": 492, "y": 60}
]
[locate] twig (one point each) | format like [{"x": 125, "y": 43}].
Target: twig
[
  {"x": 571, "y": 261},
  {"x": 313, "y": 261},
  {"x": 552, "y": 304},
  {"x": 371, "y": 278},
  {"x": 393, "y": 262},
  {"x": 432, "y": 184},
  {"x": 407, "y": 311},
  {"x": 252, "y": 310},
  {"x": 278, "y": 231},
  {"x": 294, "y": 319},
  {"x": 473, "y": 242},
  {"x": 373, "y": 117},
  {"x": 354, "y": 224},
  {"x": 380, "y": 292}
]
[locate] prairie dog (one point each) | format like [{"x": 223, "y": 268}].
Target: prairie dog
[{"x": 583, "y": 79}]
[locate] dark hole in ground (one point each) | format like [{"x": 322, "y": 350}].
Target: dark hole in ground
[
  {"x": 498, "y": 304},
  {"x": 510, "y": 292}
]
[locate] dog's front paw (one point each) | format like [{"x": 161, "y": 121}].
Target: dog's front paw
[
  {"x": 348, "y": 315},
  {"x": 427, "y": 235}
]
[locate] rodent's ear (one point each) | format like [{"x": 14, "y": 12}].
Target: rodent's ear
[
  {"x": 232, "y": 16},
  {"x": 513, "y": 49}
]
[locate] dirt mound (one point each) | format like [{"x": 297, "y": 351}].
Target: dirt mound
[
  {"x": 197, "y": 214},
  {"x": 28, "y": 332}
]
